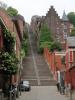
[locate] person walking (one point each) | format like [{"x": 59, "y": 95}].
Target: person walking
[
  {"x": 58, "y": 80},
  {"x": 62, "y": 82}
]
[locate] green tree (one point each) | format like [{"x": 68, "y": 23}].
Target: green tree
[
  {"x": 8, "y": 63},
  {"x": 73, "y": 32},
  {"x": 45, "y": 34},
  {"x": 12, "y": 11},
  {"x": 8, "y": 59},
  {"x": 25, "y": 43},
  {"x": 45, "y": 38},
  {"x": 55, "y": 46},
  {"x": 71, "y": 17}
]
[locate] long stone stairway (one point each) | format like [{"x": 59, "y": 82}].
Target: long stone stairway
[{"x": 35, "y": 69}]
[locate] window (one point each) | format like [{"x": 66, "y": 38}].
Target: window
[{"x": 65, "y": 30}]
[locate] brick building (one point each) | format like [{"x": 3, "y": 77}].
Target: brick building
[
  {"x": 36, "y": 22},
  {"x": 15, "y": 26},
  {"x": 70, "y": 61},
  {"x": 59, "y": 27},
  {"x": 18, "y": 27},
  {"x": 67, "y": 65},
  {"x": 70, "y": 52}
]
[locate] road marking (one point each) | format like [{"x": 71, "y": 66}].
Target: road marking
[{"x": 34, "y": 62}]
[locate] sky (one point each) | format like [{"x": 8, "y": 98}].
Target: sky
[{"x": 28, "y": 8}]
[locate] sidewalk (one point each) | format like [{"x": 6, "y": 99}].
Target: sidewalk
[{"x": 42, "y": 93}]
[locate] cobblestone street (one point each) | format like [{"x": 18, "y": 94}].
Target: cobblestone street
[{"x": 42, "y": 93}]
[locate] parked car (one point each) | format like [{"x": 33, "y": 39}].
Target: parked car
[{"x": 24, "y": 86}]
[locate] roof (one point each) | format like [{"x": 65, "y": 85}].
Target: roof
[
  {"x": 71, "y": 41},
  {"x": 18, "y": 17},
  {"x": 35, "y": 17},
  {"x": 64, "y": 17}
]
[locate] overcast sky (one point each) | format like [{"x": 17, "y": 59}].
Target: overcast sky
[{"x": 28, "y": 8}]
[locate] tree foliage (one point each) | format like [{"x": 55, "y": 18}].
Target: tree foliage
[
  {"x": 25, "y": 44},
  {"x": 9, "y": 41},
  {"x": 8, "y": 59},
  {"x": 71, "y": 17},
  {"x": 73, "y": 32},
  {"x": 45, "y": 34},
  {"x": 12, "y": 11},
  {"x": 55, "y": 46},
  {"x": 46, "y": 40},
  {"x": 8, "y": 63}
]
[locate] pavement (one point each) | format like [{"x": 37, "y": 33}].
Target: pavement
[{"x": 42, "y": 93}]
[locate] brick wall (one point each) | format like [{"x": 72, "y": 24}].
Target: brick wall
[
  {"x": 6, "y": 19},
  {"x": 11, "y": 27},
  {"x": 54, "y": 60},
  {"x": 21, "y": 26}
]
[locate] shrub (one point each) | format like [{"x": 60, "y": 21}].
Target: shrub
[
  {"x": 45, "y": 38},
  {"x": 55, "y": 46}
]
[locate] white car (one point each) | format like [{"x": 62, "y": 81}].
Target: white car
[{"x": 25, "y": 86}]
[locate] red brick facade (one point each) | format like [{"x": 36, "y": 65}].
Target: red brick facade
[
  {"x": 18, "y": 32},
  {"x": 6, "y": 19},
  {"x": 54, "y": 60},
  {"x": 60, "y": 28}
]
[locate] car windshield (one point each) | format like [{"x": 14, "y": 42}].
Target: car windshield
[{"x": 25, "y": 82}]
